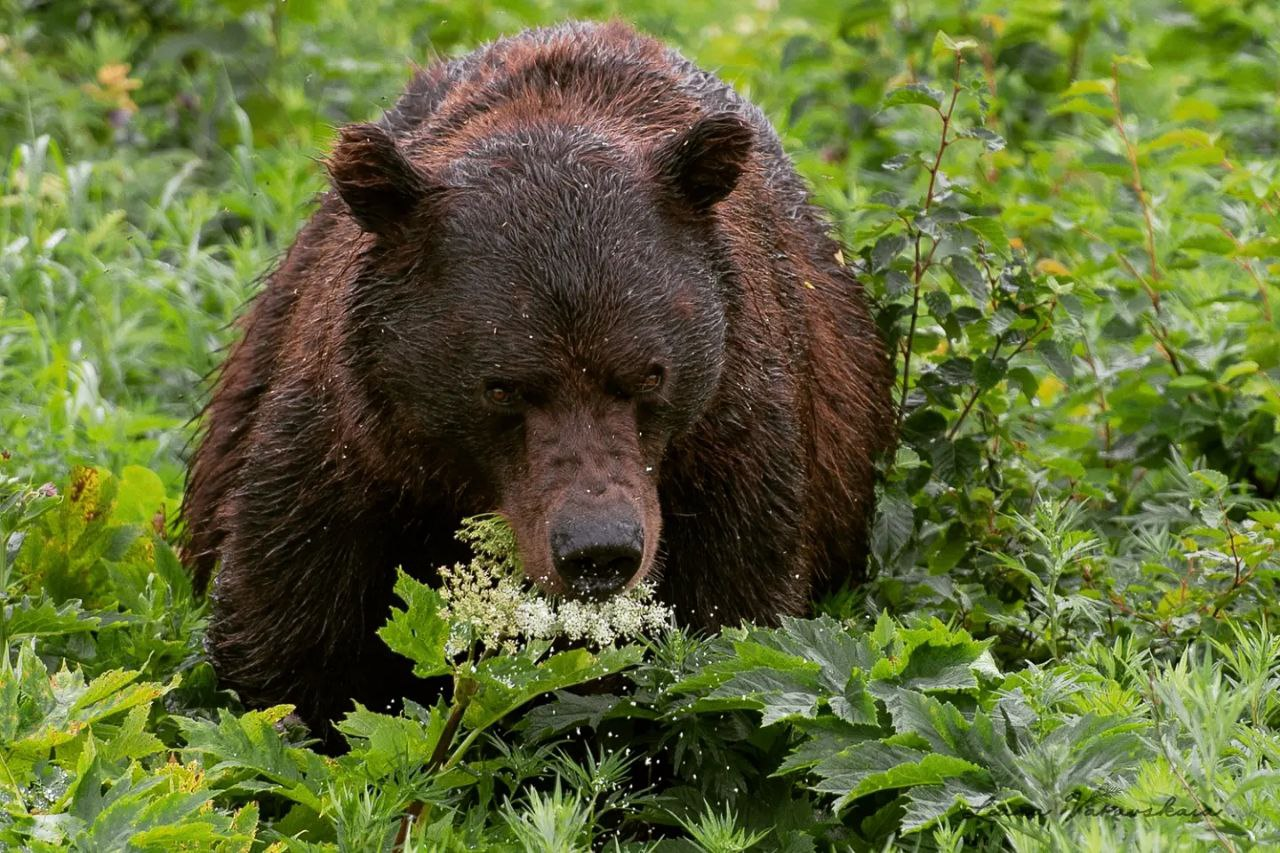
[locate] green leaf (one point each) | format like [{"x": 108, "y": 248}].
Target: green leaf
[
  {"x": 1215, "y": 480},
  {"x": 780, "y": 696},
  {"x": 991, "y": 232},
  {"x": 570, "y": 710},
  {"x": 970, "y": 278},
  {"x": 1188, "y": 382},
  {"x": 886, "y": 250},
  {"x": 1211, "y": 242},
  {"x": 250, "y": 746},
  {"x": 928, "y": 804},
  {"x": 826, "y": 737},
  {"x": 955, "y": 372},
  {"x": 140, "y": 496},
  {"x": 1211, "y": 156},
  {"x": 855, "y": 705},
  {"x": 1082, "y": 105},
  {"x": 1235, "y": 371},
  {"x": 935, "y": 658},
  {"x": 990, "y": 140},
  {"x": 132, "y": 741},
  {"x": 987, "y": 371},
  {"x": 113, "y": 692},
  {"x": 1057, "y": 359},
  {"x": 507, "y": 682},
  {"x": 418, "y": 632},
  {"x": 26, "y": 618},
  {"x": 1065, "y": 465},
  {"x": 892, "y": 528},
  {"x": 744, "y": 655},
  {"x": 939, "y": 304},
  {"x": 916, "y": 93},
  {"x": 825, "y": 642},
  {"x": 130, "y": 808},
  {"x": 944, "y": 44},
  {"x": 1087, "y": 87},
  {"x": 897, "y": 162},
  {"x": 868, "y": 768},
  {"x": 383, "y": 743}
]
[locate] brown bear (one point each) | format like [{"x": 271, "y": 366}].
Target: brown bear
[{"x": 569, "y": 277}]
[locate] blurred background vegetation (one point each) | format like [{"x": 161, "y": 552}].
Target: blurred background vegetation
[
  {"x": 1068, "y": 214},
  {"x": 1094, "y": 302}
]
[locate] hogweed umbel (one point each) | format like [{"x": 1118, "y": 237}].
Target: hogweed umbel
[{"x": 490, "y": 602}]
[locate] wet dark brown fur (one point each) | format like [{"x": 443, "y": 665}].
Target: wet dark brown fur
[{"x": 473, "y": 320}]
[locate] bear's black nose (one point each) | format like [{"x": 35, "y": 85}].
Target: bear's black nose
[{"x": 597, "y": 556}]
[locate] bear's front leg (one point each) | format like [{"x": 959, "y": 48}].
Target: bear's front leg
[
  {"x": 307, "y": 566},
  {"x": 295, "y": 615}
]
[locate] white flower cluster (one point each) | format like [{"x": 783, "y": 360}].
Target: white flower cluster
[
  {"x": 489, "y": 601},
  {"x": 481, "y": 602}
]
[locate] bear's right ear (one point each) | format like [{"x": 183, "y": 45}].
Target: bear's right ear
[{"x": 378, "y": 183}]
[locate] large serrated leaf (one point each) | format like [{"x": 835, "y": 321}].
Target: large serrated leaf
[
  {"x": 570, "y": 710},
  {"x": 867, "y": 768},
  {"x": 928, "y": 804},
  {"x": 855, "y": 704},
  {"x": 509, "y": 681},
  {"x": 779, "y": 696},
  {"x": 827, "y": 643},
  {"x": 251, "y": 743},
  {"x": 29, "y": 617},
  {"x": 383, "y": 742},
  {"x": 418, "y": 632}
]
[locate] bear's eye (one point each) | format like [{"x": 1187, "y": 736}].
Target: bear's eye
[
  {"x": 501, "y": 394},
  {"x": 652, "y": 380}
]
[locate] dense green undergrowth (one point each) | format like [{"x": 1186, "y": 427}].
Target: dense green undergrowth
[{"x": 1069, "y": 217}]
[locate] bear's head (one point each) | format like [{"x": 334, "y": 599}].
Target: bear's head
[{"x": 539, "y": 316}]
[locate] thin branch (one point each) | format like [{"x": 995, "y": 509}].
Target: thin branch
[
  {"x": 1245, "y": 265},
  {"x": 977, "y": 392},
  {"x": 1102, "y": 398},
  {"x": 1131, "y": 152},
  {"x": 918, "y": 268},
  {"x": 1158, "y": 329}
]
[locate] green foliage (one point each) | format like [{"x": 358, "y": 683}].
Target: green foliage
[
  {"x": 823, "y": 731},
  {"x": 1068, "y": 215}
]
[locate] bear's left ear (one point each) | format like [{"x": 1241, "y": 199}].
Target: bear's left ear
[
  {"x": 703, "y": 163},
  {"x": 379, "y": 184}
]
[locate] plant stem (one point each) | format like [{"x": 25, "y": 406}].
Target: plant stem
[
  {"x": 464, "y": 690},
  {"x": 995, "y": 353},
  {"x": 1131, "y": 152},
  {"x": 1246, "y": 265},
  {"x": 918, "y": 268},
  {"x": 1158, "y": 331},
  {"x": 1104, "y": 406},
  {"x": 13, "y": 783}
]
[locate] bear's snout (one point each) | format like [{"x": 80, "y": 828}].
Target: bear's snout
[{"x": 599, "y": 551}]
